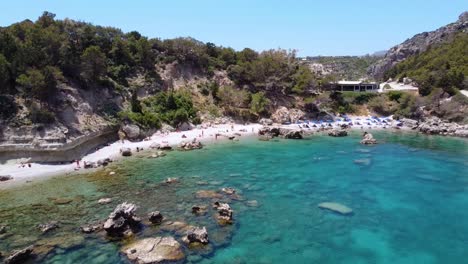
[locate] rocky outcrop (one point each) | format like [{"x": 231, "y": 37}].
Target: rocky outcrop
[
  {"x": 154, "y": 250},
  {"x": 20, "y": 256},
  {"x": 132, "y": 132},
  {"x": 283, "y": 115},
  {"x": 224, "y": 213},
  {"x": 121, "y": 220},
  {"x": 338, "y": 133},
  {"x": 5, "y": 178},
  {"x": 417, "y": 44},
  {"x": 48, "y": 226},
  {"x": 104, "y": 201},
  {"x": 126, "y": 152},
  {"x": 196, "y": 235},
  {"x": 265, "y": 122},
  {"x": 271, "y": 132},
  {"x": 195, "y": 144},
  {"x": 155, "y": 217},
  {"x": 436, "y": 126},
  {"x": 368, "y": 139}
]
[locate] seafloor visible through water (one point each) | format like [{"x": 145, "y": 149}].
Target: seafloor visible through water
[{"x": 409, "y": 196}]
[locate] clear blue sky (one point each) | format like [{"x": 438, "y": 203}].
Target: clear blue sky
[{"x": 321, "y": 27}]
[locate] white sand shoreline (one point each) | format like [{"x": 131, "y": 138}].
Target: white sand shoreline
[{"x": 205, "y": 135}]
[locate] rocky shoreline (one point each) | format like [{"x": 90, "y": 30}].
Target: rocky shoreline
[{"x": 436, "y": 126}]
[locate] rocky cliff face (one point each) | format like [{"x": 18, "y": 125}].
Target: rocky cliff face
[{"x": 417, "y": 44}]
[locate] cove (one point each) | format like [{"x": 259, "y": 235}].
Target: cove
[{"x": 408, "y": 200}]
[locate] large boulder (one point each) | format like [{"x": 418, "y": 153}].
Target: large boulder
[
  {"x": 154, "y": 250},
  {"x": 126, "y": 152},
  {"x": 195, "y": 144},
  {"x": 185, "y": 126},
  {"x": 155, "y": 217},
  {"x": 293, "y": 134},
  {"x": 165, "y": 128},
  {"x": 224, "y": 213},
  {"x": 122, "y": 219},
  {"x": 132, "y": 132},
  {"x": 196, "y": 235},
  {"x": 265, "y": 122}
]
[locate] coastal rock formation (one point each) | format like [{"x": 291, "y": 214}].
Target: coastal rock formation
[
  {"x": 436, "y": 126},
  {"x": 104, "y": 200},
  {"x": 283, "y": 115},
  {"x": 207, "y": 194},
  {"x": 294, "y": 134},
  {"x": 196, "y": 235},
  {"x": 368, "y": 139},
  {"x": 265, "y": 122},
  {"x": 154, "y": 250},
  {"x": 417, "y": 44},
  {"x": 199, "y": 209},
  {"x": 228, "y": 190},
  {"x": 87, "y": 229},
  {"x": 336, "y": 207},
  {"x": 164, "y": 146},
  {"x": 271, "y": 132},
  {"x": 171, "y": 180},
  {"x": 195, "y": 144},
  {"x": 338, "y": 133},
  {"x": 122, "y": 219},
  {"x": 132, "y": 132},
  {"x": 224, "y": 213},
  {"x": 20, "y": 256},
  {"x": 155, "y": 217}
]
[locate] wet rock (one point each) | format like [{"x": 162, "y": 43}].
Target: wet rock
[
  {"x": 104, "y": 162},
  {"x": 252, "y": 203},
  {"x": 336, "y": 207},
  {"x": 122, "y": 219},
  {"x": 165, "y": 146},
  {"x": 104, "y": 200},
  {"x": 20, "y": 256},
  {"x": 48, "y": 226},
  {"x": 264, "y": 137},
  {"x": 199, "y": 209},
  {"x": 154, "y": 250},
  {"x": 87, "y": 229},
  {"x": 3, "y": 229},
  {"x": 155, "y": 145},
  {"x": 175, "y": 226},
  {"x": 207, "y": 194},
  {"x": 338, "y": 133},
  {"x": 295, "y": 134},
  {"x": 224, "y": 213},
  {"x": 62, "y": 201},
  {"x": 196, "y": 235},
  {"x": 368, "y": 139},
  {"x": 89, "y": 164},
  {"x": 126, "y": 152},
  {"x": 171, "y": 180},
  {"x": 265, "y": 122},
  {"x": 228, "y": 190},
  {"x": 155, "y": 217},
  {"x": 5, "y": 178}
]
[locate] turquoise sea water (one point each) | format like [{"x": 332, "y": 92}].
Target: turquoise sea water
[{"x": 409, "y": 196}]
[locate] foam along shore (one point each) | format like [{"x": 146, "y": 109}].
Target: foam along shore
[{"x": 25, "y": 173}]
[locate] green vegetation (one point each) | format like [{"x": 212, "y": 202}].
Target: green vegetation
[
  {"x": 442, "y": 66},
  {"x": 346, "y": 67}
]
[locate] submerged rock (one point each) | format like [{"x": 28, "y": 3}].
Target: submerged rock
[
  {"x": 336, "y": 207},
  {"x": 365, "y": 162},
  {"x": 155, "y": 217},
  {"x": 206, "y": 194},
  {"x": 87, "y": 229},
  {"x": 104, "y": 200},
  {"x": 122, "y": 219},
  {"x": 228, "y": 190},
  {"x": 252, "y": 203},
  {"x": 199, "y": 209},
  {"x": 20, "y": 256},
  {"x": 196, "y": 235},
  {"x": 171, "y": 180},
  {"x": 48, "y": 226},
  {"x": 154, "y": 250}
]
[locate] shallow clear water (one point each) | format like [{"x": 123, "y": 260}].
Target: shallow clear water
[{"x": 409, "y": 198}]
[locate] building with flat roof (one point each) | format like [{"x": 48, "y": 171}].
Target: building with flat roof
[{"x": 357, "y": 86}]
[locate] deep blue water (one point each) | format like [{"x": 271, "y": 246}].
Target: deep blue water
[{"x": 409, "y": 197}]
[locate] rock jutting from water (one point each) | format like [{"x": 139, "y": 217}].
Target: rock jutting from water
[
  {"x": 368, "y": 139},
  {"x": 194, "y": 144},
  {"x": 154, "y": 250},
  {"x": 155, "y": 217},
  {"x": 196, "y": 235},
  {"x": 20, "y": 256},
  {"x": 271, "y": 132},
  {"x": 338, "y": 133},
  {"x": 104, "y": 201},
  {"x": 122, "y": 220},
  {"x": 224, "y": 213},
  {"x": 48, "y": 226},
  {"x": 336, "y": 207}
]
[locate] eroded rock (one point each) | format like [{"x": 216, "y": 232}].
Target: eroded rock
[
  {"x": 122, "y": 219},
  {"x": 155, "y": 217},
  {"x": 196, "y": 235}
]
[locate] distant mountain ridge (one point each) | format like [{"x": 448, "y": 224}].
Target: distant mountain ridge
[{"x": 417, "y": 44}]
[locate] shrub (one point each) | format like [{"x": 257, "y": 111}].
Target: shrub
[
  {"x": 42, "y": 116},
  {"x": 8, "y": 107}
]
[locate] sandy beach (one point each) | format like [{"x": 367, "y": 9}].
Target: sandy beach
[{"x": 205, "y": 135}]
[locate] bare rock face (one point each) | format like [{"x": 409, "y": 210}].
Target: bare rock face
[
  {"x": 283, "y": 115},
  {"x": 132, "y": 132},
  {"x": 338, "y": 133},
  {"x": 122, "y": 219},
  {"x": 368, "y": 139},
  {"x": 20, "y": 256},
  {"x": 154, "y": 250},
  {"x": 196, "y": 235},
  {"x": 417, "y": 44}
]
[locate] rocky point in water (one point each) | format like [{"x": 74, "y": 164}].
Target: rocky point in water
[
  {"x": 368, "y": 139},
  {"x": 122, "y": 220},
  {"x": 154, "y": 250},
  {"x": 336, "y": 207}
]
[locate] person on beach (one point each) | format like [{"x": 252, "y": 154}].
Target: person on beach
[
  {"x": 184, "y": 136},
  {"x": 202, "y": 133},
  {"x": 29, "y": 165}
]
